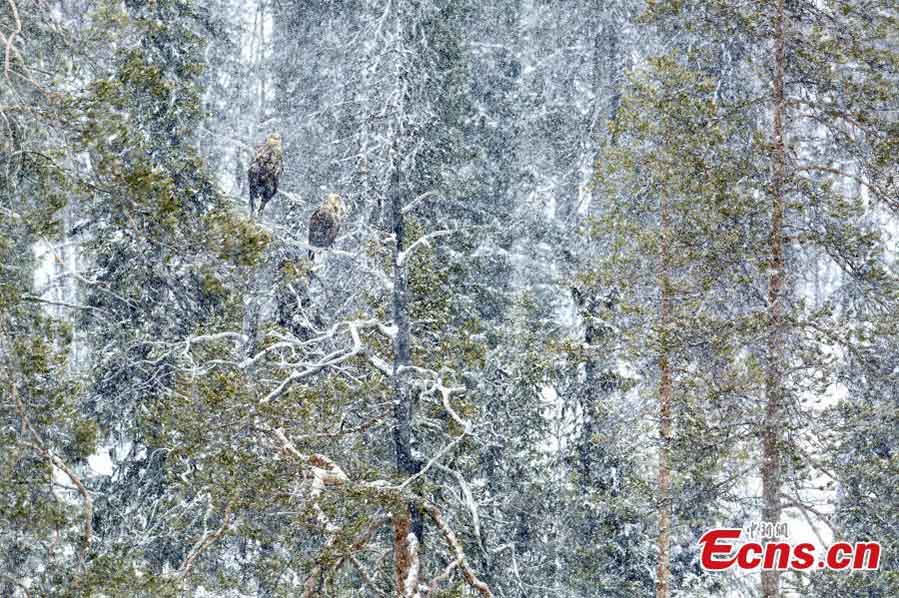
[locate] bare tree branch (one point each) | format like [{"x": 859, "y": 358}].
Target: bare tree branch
[
  {"x": 8, "y": 41},
  {"x": 205, "y": 542},
  {"x": 467, "y": 573}
]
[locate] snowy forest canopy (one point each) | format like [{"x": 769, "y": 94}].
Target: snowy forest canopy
[{"x": 531, "y": 295}]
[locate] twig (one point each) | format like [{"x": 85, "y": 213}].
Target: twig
[
  {"x": 39, "y": 446},
  {"x": 11, "y": 38},
  {"x": 456, "y": 546},
  {"x": 205, "y": 542},
  {"x": 366, "y": 578},
  {"x": 411, "y": 205},
  {"x": 424, "y": 240},
  {"x": 444, "y": 575}
]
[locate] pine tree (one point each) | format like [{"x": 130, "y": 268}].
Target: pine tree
[
  {"x": 668, "y": 232},
  {"x": 823, "y": 93},
  {"x": 46, "y": 507},
  {"x": 504, "y": 378}
]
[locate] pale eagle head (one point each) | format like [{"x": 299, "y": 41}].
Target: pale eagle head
[
  {"x": 335, "y": 205},
  {"x": 274, "y": 141}
]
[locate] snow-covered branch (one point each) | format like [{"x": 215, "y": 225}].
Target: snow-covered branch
[
  {"x": 208, "y": 539},
  {"x": 331, "y": 360},
  {"x": 40, "y": 447},
  {"x": 424, "y": 240},
  {"x": 415, "y": 202},
  {"x": 326, "y": 472},
  {"x": 467, "y": 572},
  {"x": 9, "y": 41}
]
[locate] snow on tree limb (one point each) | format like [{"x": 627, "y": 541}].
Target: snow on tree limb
[
  {"x": 39, "y": 446},
  {"x": 459, "y": 551},
  {"x": 208, "y": 539},
  {"x": 327, "y": 473}
]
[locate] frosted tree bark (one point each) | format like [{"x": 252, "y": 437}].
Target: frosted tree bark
[
  {"x": 663, "y": 541},
  {"x": 771, "y": 457},
  {"x": 408, "y": 524}
]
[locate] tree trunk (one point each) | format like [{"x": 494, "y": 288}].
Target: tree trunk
[
  {"x": 406, "y": 464},
  {"x": 663, "y": 570},
  {"x": 771, "y": 458},
  {"x": 408, "y": 525},
  {"x": 405, "y": 552}
]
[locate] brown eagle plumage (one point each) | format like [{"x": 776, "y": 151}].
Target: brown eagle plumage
[
  {"x": 265, "y": 171},
  {"x": 325, "y": 223}
]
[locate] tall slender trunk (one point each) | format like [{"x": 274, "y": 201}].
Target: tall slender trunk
[
  {"x": 408, "y": 524},
  {"x": 774, "y": 391},
  {"x": 663, "y": 570}
]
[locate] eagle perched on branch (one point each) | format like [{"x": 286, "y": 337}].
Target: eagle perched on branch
[
  {"x": 264, "y": 172},
  {"x": 325, "y": 223}
]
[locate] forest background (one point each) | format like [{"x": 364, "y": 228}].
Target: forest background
[{"x": 613, "y": 273}]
